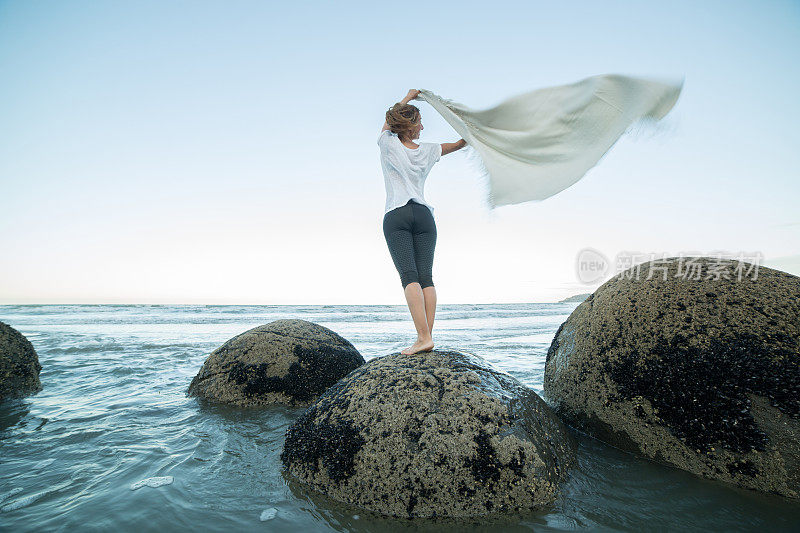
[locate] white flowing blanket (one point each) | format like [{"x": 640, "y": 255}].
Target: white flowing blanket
[{"x": 537, "y": 144}]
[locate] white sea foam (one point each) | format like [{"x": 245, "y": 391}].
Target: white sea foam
[
  {"x": 23, "y": 502},
  {"x": 153, "y": 482},
  {"x": 9, "y": 494},
  {"x": 27, "y": 500},
  {"x": 268, "y": 514},
  {"x": 43, "y": 464}
]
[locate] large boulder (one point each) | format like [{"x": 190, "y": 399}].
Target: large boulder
[
  {"x": 702, "y": 374},
  {"x": 286, "y": 361},
  {"x": 19, "y": 364},
  {"x": 434, "y": 434}
]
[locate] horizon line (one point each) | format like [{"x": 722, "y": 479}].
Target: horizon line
[{"x": 265, "y": 304}]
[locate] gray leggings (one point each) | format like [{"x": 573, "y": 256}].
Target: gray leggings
[{"x": 410, "y": 232}]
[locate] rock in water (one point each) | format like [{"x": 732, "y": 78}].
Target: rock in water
[
  {"x": 19, "y": 364},
  {"x": 434, "y": 434},
  {"x": 702, "y": 374},
  {"x": 286, "y": 361}
]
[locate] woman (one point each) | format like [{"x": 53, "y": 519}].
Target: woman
[{"x": 408, "y": 224}]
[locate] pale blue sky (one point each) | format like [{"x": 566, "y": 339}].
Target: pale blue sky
[{"x": 224, "y": 152}]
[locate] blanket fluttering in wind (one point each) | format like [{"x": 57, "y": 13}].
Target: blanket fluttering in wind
[{"x": 537, "y": 144}]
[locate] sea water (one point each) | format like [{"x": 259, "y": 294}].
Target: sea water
[{"x": 112, "y": 442}]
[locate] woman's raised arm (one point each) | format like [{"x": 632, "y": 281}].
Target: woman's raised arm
[
  {"x": 412, "y": 93},
  {"x": 452, "y": 147}
]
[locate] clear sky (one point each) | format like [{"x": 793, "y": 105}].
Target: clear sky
[{"x": 224, "y": 152}]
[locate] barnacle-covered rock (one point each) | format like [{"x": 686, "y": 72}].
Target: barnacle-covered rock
[
  {"x": 286, "y": 361},
  {"x": 433, "y": 434},
  {"x": 697, "y": 367},
  {"x": 19, "y": 364}
]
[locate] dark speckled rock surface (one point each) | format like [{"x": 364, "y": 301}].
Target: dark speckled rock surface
[
  {"x": 286, "y": 361},
  {"x": 19, "y": 364},
  {"x": 434, "y": 434},
  {"x": 700, "y": 374}
]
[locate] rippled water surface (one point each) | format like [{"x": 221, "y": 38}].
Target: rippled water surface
[{"x": 113, "y": 413}]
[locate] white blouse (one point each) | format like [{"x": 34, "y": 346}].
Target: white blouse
[{"x": 405, "y": 169}]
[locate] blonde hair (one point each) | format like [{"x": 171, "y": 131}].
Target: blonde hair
[{"x": 402, "y": 119}]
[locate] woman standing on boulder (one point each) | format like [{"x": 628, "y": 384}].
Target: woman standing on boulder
[{"x": 408, "y": 223}]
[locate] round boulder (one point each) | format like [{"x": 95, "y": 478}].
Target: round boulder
[
  {"x": 19, "y": 364},
  {"x": 434, "y": 434},
  {"x": 286, "y": 361},
  {"x": 693, "y": 362}
]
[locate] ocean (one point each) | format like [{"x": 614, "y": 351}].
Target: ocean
[{"x": 112, "y": 442}]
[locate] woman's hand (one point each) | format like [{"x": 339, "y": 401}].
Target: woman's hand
[{"x": 412, "y": 93}]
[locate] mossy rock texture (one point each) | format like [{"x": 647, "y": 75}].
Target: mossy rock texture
[
  {"x": 19, "y": 364},
  {"x": 436, "y": 434},
  {"x": 702, "y": 374},
  {"x": 287, "y": 361}
]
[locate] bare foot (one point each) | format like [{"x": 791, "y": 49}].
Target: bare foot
[{"x": 419, "y": 346}]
